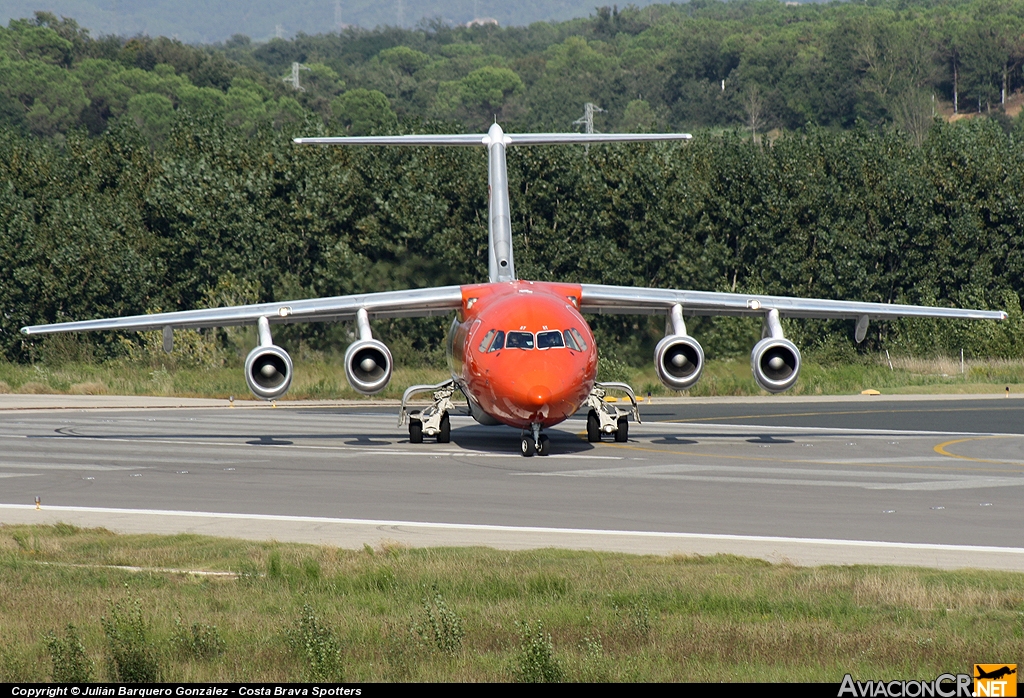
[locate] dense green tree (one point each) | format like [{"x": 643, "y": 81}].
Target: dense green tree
[{"x": 361, "y": 111}]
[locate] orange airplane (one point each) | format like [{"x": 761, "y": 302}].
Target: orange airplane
[{"x": 521, "y": 352}]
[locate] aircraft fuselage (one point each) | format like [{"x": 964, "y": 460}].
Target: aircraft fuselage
[{"x": 522, "y": 352}]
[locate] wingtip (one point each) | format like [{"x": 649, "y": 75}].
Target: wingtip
[{"x": 25, "y": 330}]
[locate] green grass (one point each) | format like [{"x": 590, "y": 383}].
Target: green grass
[
  {"x": 324, "y": 379},
  {"x": 301, "y": 611}
]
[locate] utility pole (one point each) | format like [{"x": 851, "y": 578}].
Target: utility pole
[
  {"x": 293, "y": 79},
  {"x": 587, "y": 120}
]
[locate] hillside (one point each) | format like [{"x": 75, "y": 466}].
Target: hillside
[{"x": 265, "y": 19}]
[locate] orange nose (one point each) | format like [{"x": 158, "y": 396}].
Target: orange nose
[{"x": 538, "y": 395}]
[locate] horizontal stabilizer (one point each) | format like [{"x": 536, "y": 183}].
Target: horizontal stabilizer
[
  {"x": 507, "y": 139},
  {"x": 416, "y": 139}
]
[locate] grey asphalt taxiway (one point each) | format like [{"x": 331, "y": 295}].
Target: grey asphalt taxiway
[{"x": 912, "y": 480}]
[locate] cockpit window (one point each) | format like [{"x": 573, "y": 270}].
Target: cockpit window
[
  {"x": 570, "y": 341},
  {"x": 549, "y": 340},
  {"x": 572, "y": 332},
  {"x": 485, "y": 343},
  {"x": 519, "y": 340},
  {"x": 498, "y": 343}
]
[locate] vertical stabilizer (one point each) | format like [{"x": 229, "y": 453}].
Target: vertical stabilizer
[{"x": 500, "y": 265}]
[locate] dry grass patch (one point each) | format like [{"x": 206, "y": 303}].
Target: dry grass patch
[{"x": 88, "y": 388}]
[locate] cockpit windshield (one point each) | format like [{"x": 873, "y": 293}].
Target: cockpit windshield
[
  {"x": 496, "y": 340},
  {"x": 549, "y": 340},
  {"x": 519, "y": 340}
]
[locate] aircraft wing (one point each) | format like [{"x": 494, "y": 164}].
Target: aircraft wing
[
  {"x": 600, "y": 299},
  {"x": 388, "y": 304}
]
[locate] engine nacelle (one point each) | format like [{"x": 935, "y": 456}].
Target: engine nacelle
[
  {"x": 268, "y": 371},
  {"x": 776, "y": 364},
  {"x": 368, "y": 366},
  {"x": 679, "y": 361}
]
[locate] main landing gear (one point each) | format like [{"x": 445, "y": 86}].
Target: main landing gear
[
  {"x": 432, "y": 421},
  {"x": 535, "y": 442},
  {"x": 606, "y": 418}
]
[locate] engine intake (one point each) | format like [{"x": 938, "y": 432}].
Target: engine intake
[
  {"x": 679, "y": 361},
  {"x": 268, "y": 372},
  {"x": 775, "y": 362},
  {"x": 368, "y": 366}
]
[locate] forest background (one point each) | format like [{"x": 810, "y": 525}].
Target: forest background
[{"x": 849, "y": 150}]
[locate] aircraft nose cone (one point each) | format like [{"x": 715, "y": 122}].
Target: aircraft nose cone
[{"x": 538, "y": 395}]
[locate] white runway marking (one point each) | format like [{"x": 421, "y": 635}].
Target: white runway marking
[
  {"x": 832, "y": 478},
  {"x": 389, "y": 524},
  {"x": 71, "y": 466},
  {"x": 748, "y": 428}
]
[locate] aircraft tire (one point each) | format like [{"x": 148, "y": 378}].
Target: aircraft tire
[
  {"x": 415, "y": 431},
  {"x": 593, "y": 427},
  {"x": 622, "y": 433},
  {"x": 445, "y": 435},
  {"x": 544, "y": 447},
  {"x": 527, "y": 446}
]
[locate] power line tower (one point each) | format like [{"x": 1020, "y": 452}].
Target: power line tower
[
  {"x": 587, "y": 120},
  {"x": 279, "y": 31},
  {"x": 401, "y": 14},
  {"x": 293, "y": 79},
  {"x": 338, "y": 24}
]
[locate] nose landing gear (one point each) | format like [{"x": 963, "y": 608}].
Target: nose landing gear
[{"x": 535, "y": 442}]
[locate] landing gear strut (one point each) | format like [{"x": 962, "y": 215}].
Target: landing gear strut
[
  {"x": 535, "y": 442},
  {"x": 434, "y": 420},
  {"x": 605, "y": 418}
]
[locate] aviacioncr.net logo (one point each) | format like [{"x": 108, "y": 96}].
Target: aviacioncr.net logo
[{"x": 944, "y": 686}]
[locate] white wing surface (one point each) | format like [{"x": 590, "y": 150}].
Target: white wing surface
[
  {"x": 600, "y": 299},
  {"x": 388, "y": 304}
]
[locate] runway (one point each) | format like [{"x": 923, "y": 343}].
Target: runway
[{"x": 915, "y": 481}]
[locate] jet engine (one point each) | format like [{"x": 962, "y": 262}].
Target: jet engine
[
  {"x": 775, "y": 361},
  {"x": 678, "y": 358},
  {"x": 679, "y": 361},
  {"x": 368, "y": 366},
  {"x": 268, "y": 371}
]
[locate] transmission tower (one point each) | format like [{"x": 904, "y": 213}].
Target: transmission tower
[
  {"x": 293, "y": 79},
  {"x": 338, "y": 24},
  {"x": 587, "y": 120},
  {"x": 401, "y": 14}
]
